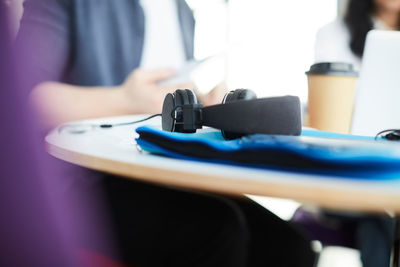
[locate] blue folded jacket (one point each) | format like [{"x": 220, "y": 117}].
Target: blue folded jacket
[{"x": 314, "y": 152}]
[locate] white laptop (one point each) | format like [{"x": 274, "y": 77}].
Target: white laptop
[{"x": 377, "y": 105}]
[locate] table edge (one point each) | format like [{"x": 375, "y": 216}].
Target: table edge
[{"x": 315, "y": 195}]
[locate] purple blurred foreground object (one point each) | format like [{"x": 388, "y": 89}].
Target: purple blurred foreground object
[
  {"x": 317, "y": 229},
  {"x": 41, "y": 224}
]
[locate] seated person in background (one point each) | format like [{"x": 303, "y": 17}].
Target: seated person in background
[
  {"x": 81, "y": 54},
  {"x": 343, "y": 40},
  {"x": 81, "y": 65}
]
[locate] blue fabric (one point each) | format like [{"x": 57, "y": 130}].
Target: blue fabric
[
  {"x": 316, "y": 133},
  {"x": 346, "y": 158},
  {"x": 88, "y": 42}
]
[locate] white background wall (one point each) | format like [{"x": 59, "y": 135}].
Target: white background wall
[{"x": 270, "y": 42}]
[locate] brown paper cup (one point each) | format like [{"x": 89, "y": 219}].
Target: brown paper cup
[{"x": 331, "y": 100}]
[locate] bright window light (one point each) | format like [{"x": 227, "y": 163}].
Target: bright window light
[{"x": 270, "y": 44}]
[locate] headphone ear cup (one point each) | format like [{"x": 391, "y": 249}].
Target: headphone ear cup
[
  {"x": 191, "y": 96},
  {"x": 239, "y": 94},
  {"x": 246, "y": 94},
  {"x": 180, "y": 99},
  {"x": 183, "y": 97},
  {"x": 232, "y": 96},
  {"x": 168, "y": 120},
  {"x": 172, "y": 113},
  {"x": 171, "y": 102}
]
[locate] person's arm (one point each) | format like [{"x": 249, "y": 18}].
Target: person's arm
[
  {"x": 215, "y": 96},
  {"x": 43, "y": 44},
  {"x": 139, "y": 94}
]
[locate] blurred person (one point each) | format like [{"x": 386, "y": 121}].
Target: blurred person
[
  {"x": 40, "y": 224},
  {"x": 97, "y": 58},
  {"x": 104, "y": 60},
  {"x": 344, "y": 39}
]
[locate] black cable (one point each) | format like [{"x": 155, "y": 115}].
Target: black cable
[
  {"x": 107, "y": 126},
  {"x": 393, "y": 134},
  {"x": 80, "y": 128}
]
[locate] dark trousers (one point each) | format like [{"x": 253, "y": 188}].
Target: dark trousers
[
  {"x": 372, "y": 235},
  {"x": 161, "y": 226}
]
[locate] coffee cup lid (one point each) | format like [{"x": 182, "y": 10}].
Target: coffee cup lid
[{"x": 332, "y": 68}]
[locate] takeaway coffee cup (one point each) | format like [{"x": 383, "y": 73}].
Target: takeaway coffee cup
[{"x": 331, "y": 90}]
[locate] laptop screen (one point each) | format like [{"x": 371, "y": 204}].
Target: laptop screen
[{"x": 377, "y": 104}]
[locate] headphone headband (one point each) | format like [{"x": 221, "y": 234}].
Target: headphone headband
[
  {"x": 235, "y": 117},
  {"x": 275, "y": 115}
]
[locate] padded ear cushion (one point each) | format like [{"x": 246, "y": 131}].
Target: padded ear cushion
[
  {"x": 181, "y": 97},
  {"x": 168, "y": 122},
  {"x": 191, "y": 96},
  {"x": 171, "y": 101},
  {"x": 246, "y": 94},
  {"x": 239, "y": 94},
  {"x": 179, "y": 100}
]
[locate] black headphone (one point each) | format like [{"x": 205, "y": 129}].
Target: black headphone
[
  {"x": 240, "y": 113},
  {"x": 390, "y": 134}
]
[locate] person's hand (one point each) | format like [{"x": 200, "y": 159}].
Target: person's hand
[
  {"x": 143, "y": 95},
  {"x": 215, "y": 96}
]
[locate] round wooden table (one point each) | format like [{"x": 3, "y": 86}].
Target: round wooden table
[{"x": 115, "y": 151}]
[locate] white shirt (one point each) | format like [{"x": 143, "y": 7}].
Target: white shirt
[
  {"x": 333, "y": 43},
  {"x": 163, "y": 42}
]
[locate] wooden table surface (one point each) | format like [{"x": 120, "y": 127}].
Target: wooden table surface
[{"x": 115, "y": 151}]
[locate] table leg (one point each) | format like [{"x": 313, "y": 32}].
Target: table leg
[{"x": 396, "y": 242}]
